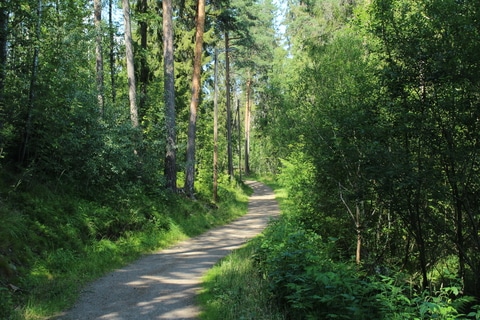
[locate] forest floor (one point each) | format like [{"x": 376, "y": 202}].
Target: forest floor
[{"x": 163, "y": 285}]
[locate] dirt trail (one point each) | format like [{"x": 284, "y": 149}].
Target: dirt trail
[{"x": 163, "y": 285}]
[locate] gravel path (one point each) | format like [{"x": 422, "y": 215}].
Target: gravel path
[{"x": 163, "y": 285}]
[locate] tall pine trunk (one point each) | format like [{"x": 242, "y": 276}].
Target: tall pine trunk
[
  {"x": 192, "y": 125},
  {"x": 215, "y": 129},
  {"x": 132, "y": 93},
  {"x": 169, "y": 91},
  {"x": 229, "y": 108},
  {"x": 247, "y": 127},
  {"x": 239, "y": 131}
]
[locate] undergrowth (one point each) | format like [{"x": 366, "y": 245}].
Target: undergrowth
[
  {"x": 307, "y": 276},
  {"x": 53, "y": 240},
  {"x": 289, "y": 272}
]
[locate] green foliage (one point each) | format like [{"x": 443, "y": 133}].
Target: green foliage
[
  {"x": 297, "y": 175},
  {"x": 303, "y": 274},
  {"x": 427, "y": 77},
  {"x": 306, "y": 275},
  {"x": 378, "y": 99},
  {"x": 382, "y": 98},
  {"x": 476, "y": 313}
]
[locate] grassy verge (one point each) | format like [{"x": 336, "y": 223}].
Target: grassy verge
[
  {"x": 55, "y": 243},
  {"x": 234, "y": 288}
]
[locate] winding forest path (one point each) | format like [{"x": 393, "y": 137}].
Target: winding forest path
[{"x": 163, "y": 285}]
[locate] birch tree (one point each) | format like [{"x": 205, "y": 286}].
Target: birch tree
[
  {"x": 111, "y": 53},
  {"x": 169, "y": 92},
  {"x": 97, "y": 17},
  {"x": 132, "y": 94}
]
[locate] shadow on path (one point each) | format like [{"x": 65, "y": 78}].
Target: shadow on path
[{"x": 163, "y": 285}]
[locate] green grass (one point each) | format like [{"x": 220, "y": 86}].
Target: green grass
[
  {"x": 234, "y": 289},
  {"x": 57, "y": 242}
]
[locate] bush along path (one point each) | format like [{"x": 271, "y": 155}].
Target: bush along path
[{"x": 163, "y": 285}]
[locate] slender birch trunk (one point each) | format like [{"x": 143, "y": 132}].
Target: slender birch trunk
[
  {"x": 97, "y": 14},
  {"x": 132, "y": 94},
  {"x": 112, "y": 50},
  {"x": 170, "y": 170},
  {"x": 142, "y": 8}
]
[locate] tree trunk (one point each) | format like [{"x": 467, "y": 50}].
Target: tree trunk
[
  {"x": 170, "y": 169},
  {"x": 247, "y": 128},
  {"x": 215, "y": 129},
  {"x": 192, "y": 125},
  {"x": 130, "y": 65},
  {"x": 358, "y": 257},
  {"x": 33, "y": 81},
  {"x": 3, "y": 49},
  {"x": 239, "y": 128},
  {"x": 3, "y": 63},
  {"x": 97, "y": 13},
  {"x": 357, "y": 220},
  {"x": 229, "y": 111},
  {"x": 458, "y": 200},
  {"x": 416, "y": 221},
  {"x": 142, "y": 8},
  {"x": 112, "y": 50}
]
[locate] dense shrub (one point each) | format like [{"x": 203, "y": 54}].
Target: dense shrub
[
  {"x": 297, "y": 176},
  {"x": 307, "y": 277},
  {"x": 304, "y": 275}
]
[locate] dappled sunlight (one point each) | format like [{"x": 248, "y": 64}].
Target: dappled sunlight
[
  {"x": 263, "y": 197},
  {"x": 113, "y": 315}
]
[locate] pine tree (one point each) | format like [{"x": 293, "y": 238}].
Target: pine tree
[{"x": 196, "y": 88}]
